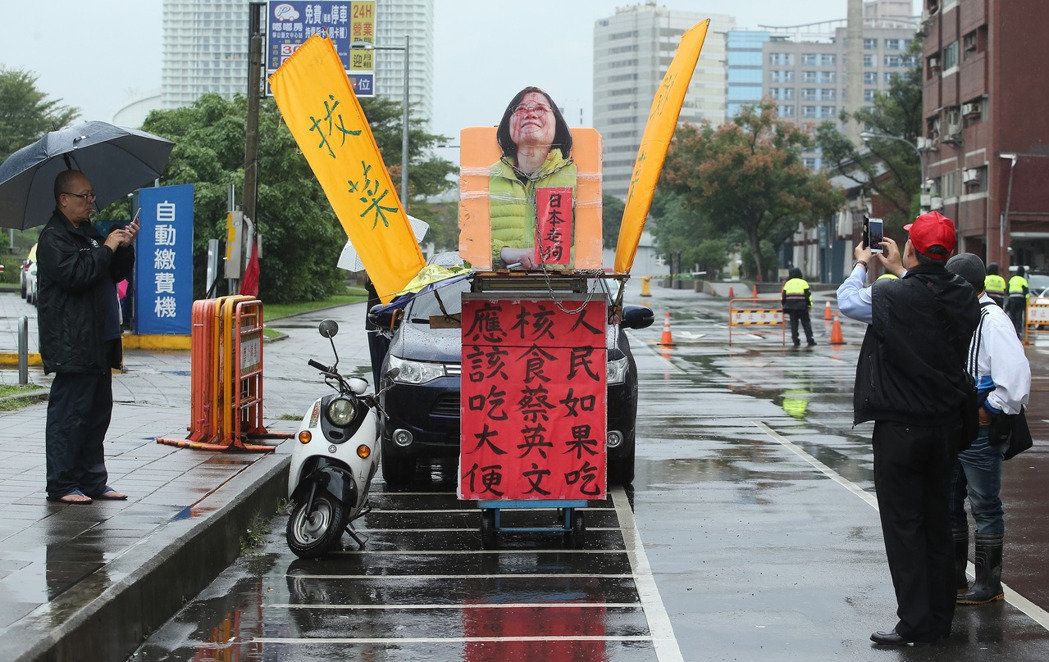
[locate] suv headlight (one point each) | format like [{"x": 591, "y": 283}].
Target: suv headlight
[
  {"x": 341, "y": 411},
  {"x": 416, "y": 372},
  {"x": 617, "y": 370}
]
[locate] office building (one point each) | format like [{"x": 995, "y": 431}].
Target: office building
[
  {"x": 632, "y": 51},
  {"x": 986, "y": 128},
  {"x": 744, "y": 70},
  {"x": 806, "y": 77},
  {"x": 394, "y": 19},
  {"x": 205, "y": 47}
]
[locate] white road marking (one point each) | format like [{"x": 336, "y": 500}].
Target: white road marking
[
  {"x": 1036, "y": 613},
  {"x": 460, "y": 606},
  {"x": 426, "y": 640},
  {"x": 537, "y": 575},
  {"x": 589, "y": 509},
  {"x": 659, "y": 626},
  {"x": 427, "y": 552},
  {"x": 460, "y": 529}
]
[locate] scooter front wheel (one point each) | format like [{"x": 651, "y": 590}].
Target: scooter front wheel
[{"x": 314, "y": 533}]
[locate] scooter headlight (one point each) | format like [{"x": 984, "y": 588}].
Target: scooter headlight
[
  {"x": 341, "y": 411},
  {"x": 617, "y": 370}
]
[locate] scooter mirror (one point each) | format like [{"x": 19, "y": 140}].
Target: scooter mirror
[
  {"x": 392, "y": 373},
  {"x": 328, "y": 328}
]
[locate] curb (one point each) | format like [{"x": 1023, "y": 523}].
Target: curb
[{"x": 113, "y": 612}]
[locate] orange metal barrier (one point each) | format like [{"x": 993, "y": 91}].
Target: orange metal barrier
[
  {"x": 226, "y": 377},
  {"x": 756, "y": 312}
]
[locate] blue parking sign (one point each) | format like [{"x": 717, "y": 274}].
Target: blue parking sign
[{"x": 164, "y": 261}]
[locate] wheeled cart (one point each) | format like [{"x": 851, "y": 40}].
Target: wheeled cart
[{"x": 569, "y": 521}]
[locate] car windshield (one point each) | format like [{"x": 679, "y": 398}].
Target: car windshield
[
  {"x": 423, "y": 307},
  {"x": 1038, "y": 283}
]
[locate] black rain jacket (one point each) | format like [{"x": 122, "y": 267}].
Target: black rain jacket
[
  {"x": 72, "y": 269},
  {"x": 911, "y": 368}
]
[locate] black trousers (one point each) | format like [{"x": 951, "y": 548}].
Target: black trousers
[
  {"x": 1016, "y": 307},
  {"x": 912, "y": 473},
  {"x": 78, "y": 415},
  {"x": 803, "y": 317}
]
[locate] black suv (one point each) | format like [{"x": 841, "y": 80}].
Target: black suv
[{"x": 422, "y": 403}]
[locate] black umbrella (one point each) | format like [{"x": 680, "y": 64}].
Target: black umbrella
[{"x": 116, "y": 160}]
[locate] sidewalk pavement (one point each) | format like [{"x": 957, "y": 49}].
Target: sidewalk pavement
[{"x": 98, "y": 578}]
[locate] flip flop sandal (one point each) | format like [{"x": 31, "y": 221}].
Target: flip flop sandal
[
  {"x": 106, "y": 492},
  {"x": 65, "y": 498}
]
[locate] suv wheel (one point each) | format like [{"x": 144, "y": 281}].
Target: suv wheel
[
  {"x": 621, "y": 467},
  {"x": 397, "y": 468}
]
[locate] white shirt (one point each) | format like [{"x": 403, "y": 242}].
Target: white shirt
[{"x": 999, "y": 362}]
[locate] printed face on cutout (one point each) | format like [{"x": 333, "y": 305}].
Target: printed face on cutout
[{"x": 532, "y": 123}]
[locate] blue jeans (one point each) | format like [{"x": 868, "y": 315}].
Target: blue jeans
[{"x": 978, "y": 474}]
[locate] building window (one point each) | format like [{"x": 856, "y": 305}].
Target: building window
[
  {"x": 781, "y": 76},
  {"x": 898, "y": 61},
  {"x": 889, "y": 76},
  {"x": 897, "y": 44},
  {"x": 828, "y": 60},
  {"x": 828, "y": 112},
  {"x": 781, "y": 59},
  {"x": 809, "y": 112},
  {"x": 950, "y": 56},
  {"x": 868, "y": 96},
  {"x": 870, "y": 44},
  {"x": 810, "y": 59},
  {"x": 810, "y": 77},
  {"x": 870, "y": 78},
  {"x": 782, "y": 93},
  {"x": 785, "y": 111},
  {"x": 868, "y": 61}
]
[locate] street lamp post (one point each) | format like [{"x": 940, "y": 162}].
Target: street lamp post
[
  {"x": 404, "y": 114},
  {"x": 867, "y": 136}
]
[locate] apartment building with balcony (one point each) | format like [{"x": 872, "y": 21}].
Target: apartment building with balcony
[{"x": 986, "y": 134}]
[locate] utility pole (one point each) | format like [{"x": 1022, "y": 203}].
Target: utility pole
[
  {"x": 854, "y": 68},
  {"x": 251, "y": 138}
]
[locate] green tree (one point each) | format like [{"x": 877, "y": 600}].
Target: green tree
[
  {"x": 888, "y": 167},
  {"x": 611, "y": 218},
  {"x": 25, "y": 112},
  {"x": 301, "y": 236},
  {"x": 748, "y": 174}
]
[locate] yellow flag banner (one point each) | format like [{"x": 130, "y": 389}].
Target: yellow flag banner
[
  {"x": 662, "y": 120},
  {"x": 316, "y": 99}
]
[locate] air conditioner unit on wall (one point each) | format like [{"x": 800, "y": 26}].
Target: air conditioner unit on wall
[
  {"x": 934, "y": 62},
  {"x": 971, "y": 108},
  {"x": 970, "y": 175}
]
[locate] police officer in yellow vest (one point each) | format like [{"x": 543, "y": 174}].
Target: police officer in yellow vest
[
  {"x": 797, "y": 299},
  {"x": 994, "y": 285},
  {"x": 1016, "y": 302}
]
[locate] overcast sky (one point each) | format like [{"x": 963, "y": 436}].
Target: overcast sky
[{"x": 95, "y": 54}]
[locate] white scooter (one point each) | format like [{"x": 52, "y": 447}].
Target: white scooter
[{"x": 333, "y": 461}]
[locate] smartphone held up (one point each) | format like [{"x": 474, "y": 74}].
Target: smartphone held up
[{"x": 873, "y": 234}]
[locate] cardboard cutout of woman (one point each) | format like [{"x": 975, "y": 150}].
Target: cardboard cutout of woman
[{"x": 535, "y": 173}]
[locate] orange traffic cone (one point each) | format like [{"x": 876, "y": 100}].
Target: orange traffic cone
[
  {"x": 836, "y": 337},
  {"x": 666, "y": 340},
  {"x": 755, "y": 290},
  {"x": 827, "y": 313},
  {"x": 731, "y": 293}
]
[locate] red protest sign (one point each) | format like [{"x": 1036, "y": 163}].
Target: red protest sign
[
  {"x": 533, "y": 400},
  {"x": 553, "y": 218}
]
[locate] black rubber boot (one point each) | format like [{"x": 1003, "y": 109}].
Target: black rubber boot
[
  {"x": 961, "y": 558},
  {"x": 988, "y": 585}
]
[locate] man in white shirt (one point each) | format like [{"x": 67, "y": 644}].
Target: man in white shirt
[{"x": 1003, "y": 380}]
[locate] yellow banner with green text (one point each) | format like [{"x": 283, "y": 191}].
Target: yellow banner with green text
[
  {"x": 317, "y": 102},
  {"x": 662, "y": 120}
]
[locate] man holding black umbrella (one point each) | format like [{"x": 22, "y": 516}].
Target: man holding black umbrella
[{"x": 79, "y": 338}]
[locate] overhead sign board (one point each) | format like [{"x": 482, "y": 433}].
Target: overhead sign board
[{"x": 290, "y": 24}]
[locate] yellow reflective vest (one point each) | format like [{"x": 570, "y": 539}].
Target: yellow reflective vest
[
  {"x": 796, "y": 294},
  {"x": 994, "y": 285},
  {"x": 888, "y": 277},
  {"x": 1018, "y": 287}
]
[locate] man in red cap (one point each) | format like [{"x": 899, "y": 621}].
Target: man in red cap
[{"x": 911, "y": 382}]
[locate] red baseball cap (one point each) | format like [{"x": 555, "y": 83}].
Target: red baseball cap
[{"x": 932, "y": 229}]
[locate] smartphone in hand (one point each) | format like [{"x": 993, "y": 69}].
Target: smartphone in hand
[{"x": 875, "y": 229}]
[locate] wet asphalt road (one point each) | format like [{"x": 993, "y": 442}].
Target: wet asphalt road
[{"x": 750, "y": 533}]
